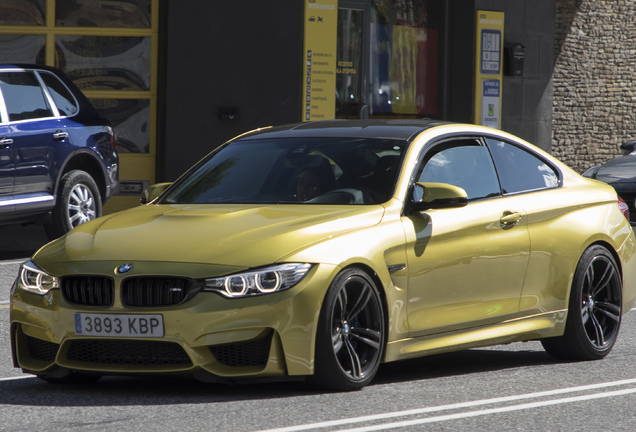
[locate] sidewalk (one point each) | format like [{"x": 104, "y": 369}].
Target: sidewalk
[{"x": 19, "y": 242}]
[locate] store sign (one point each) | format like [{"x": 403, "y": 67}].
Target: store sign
[
  {"x": 490, "y": 103},
  {"x": 319, "y": 69},
  {"x": 489, "y": 70}
]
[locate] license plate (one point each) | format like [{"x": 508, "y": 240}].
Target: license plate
[{"x": 118, "y": 325}]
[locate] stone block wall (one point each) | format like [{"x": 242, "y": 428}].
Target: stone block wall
[{"x": 594, "y": 99}]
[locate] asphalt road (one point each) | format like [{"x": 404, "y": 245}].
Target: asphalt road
[{"x": 516, "y": 387}]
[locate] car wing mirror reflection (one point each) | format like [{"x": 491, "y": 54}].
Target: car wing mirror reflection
[
  {"x": 428, "y": 196},
  {"x": 153, "y": 192}
]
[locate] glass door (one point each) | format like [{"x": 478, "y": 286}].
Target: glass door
[
  {"x": 352, "y": 60},
  {"x": 390, "y": 58}
]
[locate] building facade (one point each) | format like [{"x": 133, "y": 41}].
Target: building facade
[
  {"x": 594, "y": 102},
  {"x": 178, "y": 78}
]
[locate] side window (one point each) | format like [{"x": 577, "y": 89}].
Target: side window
[
  {"x": 61, "y": 95},
  {"x": 23, "y": 96},
  {"x": 520, "y": 170},
  {"x": 465, "y": 164}
]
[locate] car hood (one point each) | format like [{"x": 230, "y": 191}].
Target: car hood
[{"x": 225, "y": 235}]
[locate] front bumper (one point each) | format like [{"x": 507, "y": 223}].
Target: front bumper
[{"x": 208, "y": 335}]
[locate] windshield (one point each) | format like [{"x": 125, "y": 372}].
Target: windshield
[{"x": 308, "y": 170}]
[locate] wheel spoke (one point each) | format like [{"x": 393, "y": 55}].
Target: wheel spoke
[
  {"x": 74, "y": 217},
  {"x": 354, "y": 360},
  {"x": 610, "y": 310},
  {"x": 598, "y": 332},
  {"x": 585, "y": 315},
  {"x": 604, "y": 281},
  {"x": 76, "y": 196},
  {"x": 367, "y": 336},
  {"x": 589, "y": 278},
  {"x": 342, "y": 303},
  {"x": 336, "y": 342},
  {"x": 363, "y": 299}
]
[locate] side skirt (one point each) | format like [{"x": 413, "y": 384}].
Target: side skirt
[{"x": 520, "y": 329}]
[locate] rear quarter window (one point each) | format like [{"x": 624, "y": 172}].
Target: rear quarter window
[
  {"x": 63, "y": 98},
  {"x": 519, "y": 170},
  {"x": 23, "y": 96}
]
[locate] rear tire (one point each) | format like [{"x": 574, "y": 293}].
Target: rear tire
[
  {"x": 78, "y": 202},
  {"x": 595, "y": 308},
  {"x": 351, "y": 334}
]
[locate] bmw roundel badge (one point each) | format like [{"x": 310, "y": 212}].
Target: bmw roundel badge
[{"x": 124, "y": 268}]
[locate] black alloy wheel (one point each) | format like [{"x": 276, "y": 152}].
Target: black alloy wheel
[
  {"x": 351, "y": 333},
  {"x": 594, "y": 314}
]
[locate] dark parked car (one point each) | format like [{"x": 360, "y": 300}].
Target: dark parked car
[
  {"x": 621, "y": 174},
  {"x": 58, "y": 163}
]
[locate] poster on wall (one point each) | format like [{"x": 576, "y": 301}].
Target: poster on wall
[
  {"x": 490, "y": 103},
  {"x": 488, "y": 68},
  {"x": 319, "y": 69}
]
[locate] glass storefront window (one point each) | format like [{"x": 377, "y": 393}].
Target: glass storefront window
[
  {"x": 105, "y": 62},
  {"x": 22, "y": 48},
  {"x": 103, "y": 13},
  {"x": 405, "y": 54},
  {"x": 106, "y": 48},
  {"x": 131, "y": 121},
  {"x": 23, "y": 12},
  {"x": 349, "y": 63}
]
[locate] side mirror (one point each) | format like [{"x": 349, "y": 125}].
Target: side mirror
[
  {"x": 428, "y": 196},
  {"x": 153, "y": 192},
  {"x": 628, "y": 147}
]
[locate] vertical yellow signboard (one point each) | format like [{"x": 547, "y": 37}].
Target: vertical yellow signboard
[
  {"x": 321, "y": 32},
  {"x": 489, "y": 68}
]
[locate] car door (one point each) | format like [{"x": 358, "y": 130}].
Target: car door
[
  {"x": 6, "y": 169},
  {"x": 535, "y": 182},
  {"x": 35, "y": 130},
  {"x": 466, "y": 265}
]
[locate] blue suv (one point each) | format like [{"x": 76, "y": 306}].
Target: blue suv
[{"x": 58, "y": 163}]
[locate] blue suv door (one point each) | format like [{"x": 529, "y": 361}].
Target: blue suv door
[
  {"x": 36, "y": 133},
  {"x": 6, "y": 170}
]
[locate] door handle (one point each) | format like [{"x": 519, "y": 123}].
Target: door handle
[
  {"x": 509, "y": 219},
  {"x": 60, "y": 135},
  {"x": 5, "y": 142}
]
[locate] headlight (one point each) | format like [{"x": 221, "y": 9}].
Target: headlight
[
  {"x": 262, "y": 281},
  {"x": 36, "y": 281}
]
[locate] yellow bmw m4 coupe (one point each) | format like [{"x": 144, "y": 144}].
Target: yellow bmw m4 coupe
[{"x": 321, "y": 250}]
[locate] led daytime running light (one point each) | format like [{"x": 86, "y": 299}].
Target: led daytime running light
[
  {"x": 265, "y": 281},
  {"x": 35, "y": 280}
]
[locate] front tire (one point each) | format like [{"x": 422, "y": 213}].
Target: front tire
[
  {"x": 595, "y": 309},
  {"x": 351, "y": 333},
  {"x": 78, "y": 202}
]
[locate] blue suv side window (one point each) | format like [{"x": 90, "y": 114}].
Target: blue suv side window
[
  {"x": 23, "y": 96},
  {"x": 64, "y": 100}
]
